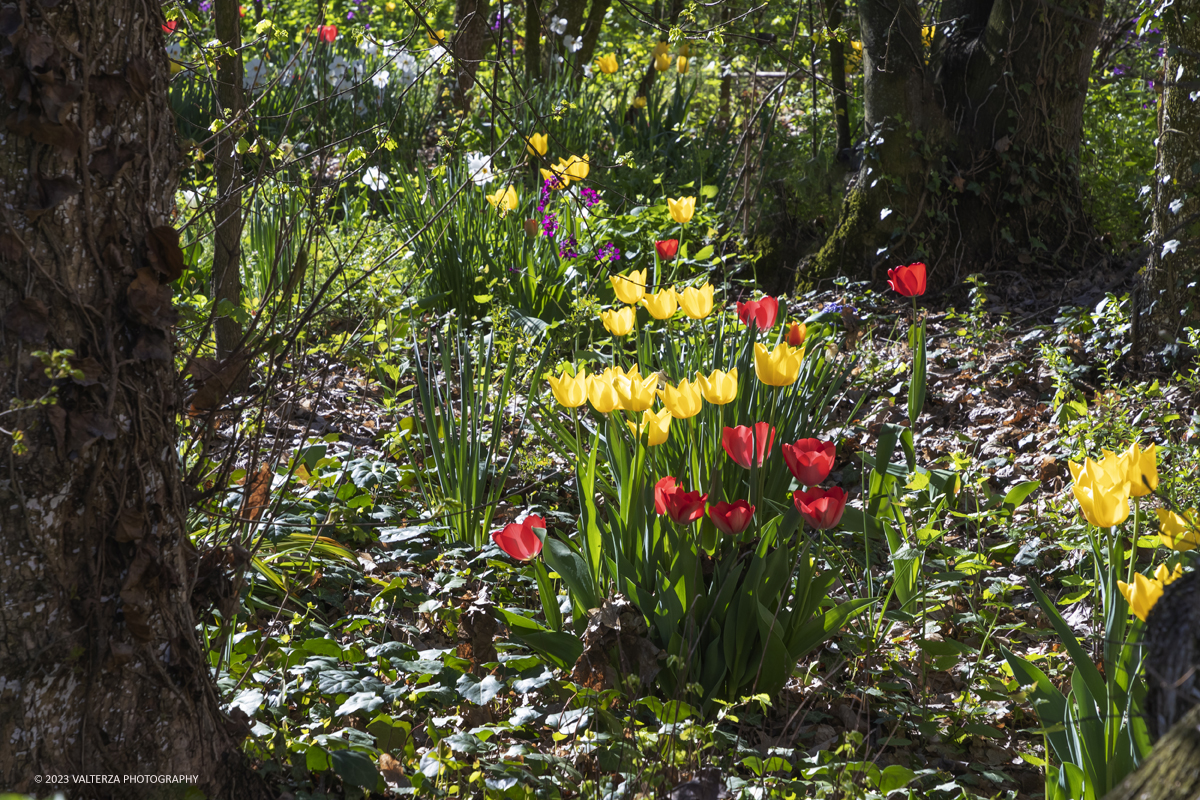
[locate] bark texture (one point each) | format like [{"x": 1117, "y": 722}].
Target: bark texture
[
  {"x": 101, "y": 671},
  {"x": 1166, "y": 286},
  {"x": 972, "y": 138},
  {"x": 471, "y": 42},
  {"x": 227, "y": 252}
]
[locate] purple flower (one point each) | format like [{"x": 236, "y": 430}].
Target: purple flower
[
  {"x": 549, "y": 225},
  {"x": 205, "y": 7},
  {"x": 1118, "y": 70},
  {"x": 567, "y": 248},
  {"x": 590, "y": 196},
  {"x": 349, "y": 15},
  {"x": 608, "y": 252}
]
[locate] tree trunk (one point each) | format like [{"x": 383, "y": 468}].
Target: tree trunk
[
  {"x": 1166, "y": 293},
  {"x": 533, "y": 38},
  {"x": 471, "y": 42},
  {"x": 837, "y": 80},
  {"x": 592, "y": 29},
  {"x": 971, "y": 156},
  {"x": 101, "y": 671},
  {"x": 227, "y": 250}
]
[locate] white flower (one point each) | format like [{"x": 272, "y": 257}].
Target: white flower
[
  {"x": 254, "y": 76},
  {"x": 479, "y": 167},
  {"x": 360, "y": 107},
  {"x": 175, "y": 51},
  {"x": 1176, "y": 205},
  {"x": 883, "y": 214},
  {"x": 1170, "y": 247},
  {"x": 375, "y": 178},
  {"x": 437, "y": 53},
  {"x": 407, "y": 65},
  {"x": 380, "y": 79},
  {"x": 369, "y": 47},
  {"x": 573, "y": 43},
  {"x": 559, "y": 25},
  {"x": 191, "y": 200},
  {"x": 587, "y": 70},
  {"x": 359, "y": 66}
]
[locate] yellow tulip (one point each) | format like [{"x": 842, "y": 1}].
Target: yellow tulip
[
  {"x": 681, "y": 64},
  {"x": 1178, "y": 531},
  {"x": 778, "y": 367},
  {"x": 630, "y": 288},
  {"x": 662, "y": 62},
  {"x": 1165, "y": 576},
  {"x": 570, "y": 391},
  {"x": 1102, "y": 490},
  {"x": 635, "y": 392},
  {"x": 1143, "y": 470},
  {"x": 602, "y": 394},
  {"x": 506, "y": 200},
  {"x": 685, "y": 50},
  {"x": 390, "y": 7},
  {"x": 696, "y": 303},
  {"x": 661, "y": 304},
  {"x": 927, "y": 35},
  {"x": 682, "y": 402},
  {"x": 537, "y": 144},
  {"x": 1142, "y": 595},
  {"x": 660, "y": 49},
  {"x": 576, "y": 168},
  {"x": 720, "y": 387},
  {"x": 658, "y": 425},
  {"x": 619, "y": 321},
  {"x": 555, "y": 173},
  {"x": 639, "y": 101},
  {"x": 682, "y": 209},
  {"x": 607, "y": 64},
  {"x": 436, "y": 38}
]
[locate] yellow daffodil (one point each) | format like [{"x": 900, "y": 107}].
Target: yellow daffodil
[
  {"x": 1142, "y": 595},
  {"x": 658, "y": 425},
  {"x": 570, "y": 391},
  {"x": 436, "y": 38},
  {"x": 635, "y": 392},
  {"x": 602, "y": 394},
  {"x": 1143, "y": 470},
  {"x": 1165, "y": 576},
  {"x": 681, "y": 64},
  {"x": 554, "y": 172},
  {"x": 661, "y": 304},
  {"x": 607, "y": 64},
  {"x": 720, "y": 387},
  {"x": 576, "y": 168},
  {"x": 505, "y": 201},
  {"x": 696, "y": 303},
  {"x": 682, "y": 209},
  {"x": 618, "y": 321},
  {"x": 778, "y": 367},
  {"x": 662, "y": 62},
  {"x": 630, "y": 288},
  {"x": 639, "y": 101},
  {"x": 1177, "y": 531},
  {"x": 1102, "y": 490},
  {"x": 537, "y": 144},
  {"x": 683, "y": 402}
]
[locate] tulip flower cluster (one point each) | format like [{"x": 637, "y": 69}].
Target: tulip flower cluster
[
  {"x": 565, "y": 171},
  {"x": 1103, "y": 488},
  {"x": 685, "y": 508},
  {"x": 1144, "y": 592},
  {"x": 630, "y": 289}
]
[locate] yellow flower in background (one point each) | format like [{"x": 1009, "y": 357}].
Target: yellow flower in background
[
  {"x": 562, "y": 180},
  {"x": 630, "y": 288},
  {"x": 927, "y": 36},
  {"x": 661, "y": 304},
  {"x": 662, "y": 48},
  {"x": 659, "y": 426},
  {"x": 662, "y": 62},
  {"x": 570, "y": 391},
  {"x": 390, "y": 7},
  {"x": 602, "y": 394},
  {"x": 537, "y": 144},
  {"x": 683, "y": 402},
  {"x": 681, "y": 64},
  {"x": 1143, "y": 470},
  {"x": 506, "y": 200},
  {"x": 576, "y": 168},
  {"x": 1165, "y": 576},
  {"x": 1142, "y": 595},
  {"x": 607, "y": 64},
  {"x": 436, "y": 38},
  {"x": 685, "y": 49},
  {"x": 778, "y": 367},
  {"x": 682, "y": 210},
  {"x": 696, "y": 303},
  {"x": 1178, "y": 531},
  {"x": 619, "y": 321},
  {"x": 636, "y": 393},
  {"x": 639, "y": 101},
  {"x": 1102, "y": 490},
  {"x": 720, "y": 387}
]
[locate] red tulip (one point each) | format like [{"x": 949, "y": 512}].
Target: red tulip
[
  {"x": 326, "y": 33},
  {"x": 667, "y": 249},
  {"x": 169, "y": 26},
  {"x": 821, "y": 507},
  {"x": 748, "y": 445},
  {"x": 908, "y": 281},
  {"x": 809, "y": 460},
  {"x": 241, "y": 11},
  {"x": 731, "y": 518},
  {"x": 796, "y": 334},
  {"x": 682, "y": 507},
  {"x": 761, "y": 312},
  {"x": 519, "y": 540}
]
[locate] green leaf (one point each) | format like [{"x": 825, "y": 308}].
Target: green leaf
[
  {"x": 355, "y": 768},
  {"x": 316, "y": 759},
  {"x": 390, "y": 734},
  {"x": 708, "y": 190},
  {"x": 574, "y": 571},
  {"x": 479, "y": 692},
  {"x": 704, "y": 253},
  {"x": 548, "y": 596},
  {"x": 1018, "y": 493}
]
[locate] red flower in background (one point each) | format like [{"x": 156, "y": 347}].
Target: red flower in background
[
  {"x": 731, "y": 518},
  {"x": 822, "y": 508},
  {"x": 761, "y": 312},
  {"x": 326, "y": 33},
  {"x": 169, "y": 26},
  {"x": 682, "y": 507},
  {"x": 809, "y": 460},
  {"x": 519, "y": 539},
  {"x": 667, "y": 248},
  {"x": 796, "y": 334},
  {"x": 909, "y": 280},
  {"x": 748, "y": 446}
]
